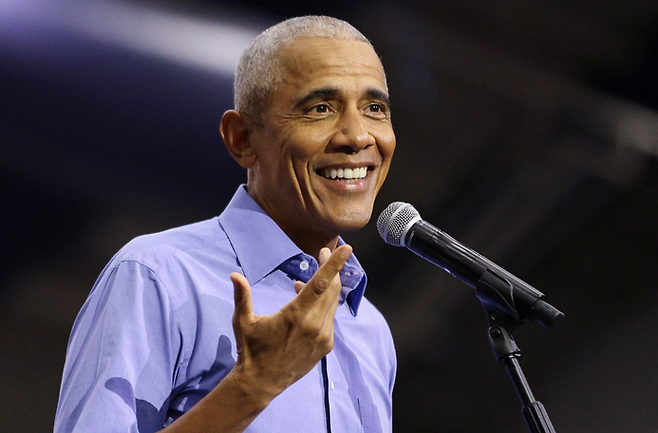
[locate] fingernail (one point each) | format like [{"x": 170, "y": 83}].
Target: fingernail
[{"x": 345, "y": 253}]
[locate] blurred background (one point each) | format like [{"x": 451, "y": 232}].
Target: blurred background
[{"x": 527, "y": 129}]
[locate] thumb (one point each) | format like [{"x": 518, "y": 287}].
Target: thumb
[{"x": 244, "y": 308}]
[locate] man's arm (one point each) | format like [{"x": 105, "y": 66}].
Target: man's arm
[{"x": 274, "y": 351}]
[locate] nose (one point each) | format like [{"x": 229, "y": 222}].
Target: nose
[{"x": 353, "y": 134}]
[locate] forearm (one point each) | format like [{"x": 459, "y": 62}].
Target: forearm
[{"x": 229, "y": 408}]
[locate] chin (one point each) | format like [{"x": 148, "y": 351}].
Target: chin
[{"x": 352, "y": 221}]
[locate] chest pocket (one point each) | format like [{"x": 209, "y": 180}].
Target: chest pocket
[{"x": 369, "y": 416}]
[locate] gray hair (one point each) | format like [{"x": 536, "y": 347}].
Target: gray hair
[{"x": 259, "y": 69}]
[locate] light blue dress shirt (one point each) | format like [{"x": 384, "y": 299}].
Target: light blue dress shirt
[{"x": 155, "y": 334}]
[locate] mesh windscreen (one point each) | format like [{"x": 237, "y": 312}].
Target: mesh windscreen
[{"x": 394, "y": 222}]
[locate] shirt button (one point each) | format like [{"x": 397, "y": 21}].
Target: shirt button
[
  {"x": 331, "y": 384},
  {"x": 304, "y": 265}
]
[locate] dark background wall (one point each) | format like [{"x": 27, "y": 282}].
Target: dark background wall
[{"x": 526, "y": 129}]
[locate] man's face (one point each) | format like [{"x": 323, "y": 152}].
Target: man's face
[{"x": 326, "y": 141}]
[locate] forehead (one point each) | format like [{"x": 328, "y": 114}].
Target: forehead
[{"x": 317, "y": 61}]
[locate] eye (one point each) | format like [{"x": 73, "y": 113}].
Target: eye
[
  {"x": 319, "y": 109},
  {"x": 376, "y": 109}
]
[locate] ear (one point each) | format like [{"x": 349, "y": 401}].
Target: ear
[{"x": 235, "y": 133}]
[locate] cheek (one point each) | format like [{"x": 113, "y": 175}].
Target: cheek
[
  {"x": 386, "y": 150},
  {"x": 390, "y": 148},
  {"x": 387, "y": 145},
  {"x": 304, "y": 146}
]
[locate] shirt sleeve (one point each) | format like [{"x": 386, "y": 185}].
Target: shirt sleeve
[{"x": 123, "y": 356}]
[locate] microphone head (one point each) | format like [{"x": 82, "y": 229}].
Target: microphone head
[{"x": 395, "y": 221}]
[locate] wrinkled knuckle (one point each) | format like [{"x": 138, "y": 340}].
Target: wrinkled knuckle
[
  {"x": 294, "y": 321},
  {"x": 326, "y": 344},
  {"x": 313, "y": 330},
  {"x": 322, "y": 283}
]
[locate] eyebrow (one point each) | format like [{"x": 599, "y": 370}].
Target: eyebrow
[
  {"x": 317, "y": 95},
  {"x": 378, "y": 95},
  {"x": 330, "y": 92}
]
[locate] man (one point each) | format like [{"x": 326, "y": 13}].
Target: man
[{"x": 256, "y": 321}]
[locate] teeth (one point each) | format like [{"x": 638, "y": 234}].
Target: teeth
[{"x": 346, "y": 173}]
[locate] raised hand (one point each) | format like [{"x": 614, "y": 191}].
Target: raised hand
[{"x": 275, "y": 351}]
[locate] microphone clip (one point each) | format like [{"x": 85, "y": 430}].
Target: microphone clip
[{"x": 497, "y": 297}]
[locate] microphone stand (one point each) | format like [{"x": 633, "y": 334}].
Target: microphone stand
[{"x": 502, "y": 322}]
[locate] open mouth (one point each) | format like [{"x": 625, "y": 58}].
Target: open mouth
[{"x": 344, "y": 174}]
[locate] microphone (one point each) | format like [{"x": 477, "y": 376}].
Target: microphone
[{"x": 400, "y": 225}]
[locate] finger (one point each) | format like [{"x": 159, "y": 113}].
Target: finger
[
  {"x": 321, "y": 282},
  {"x": 324, "y": 255},
  {"x": 332, "y": 263},
  {"x": 298, "y": 285}
]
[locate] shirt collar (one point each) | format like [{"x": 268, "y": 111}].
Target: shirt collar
[{"x": 262, "y": 247}]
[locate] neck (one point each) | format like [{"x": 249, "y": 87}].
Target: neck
[
  {"x": 312, "y": 246},
  {"x": 309, "y": 238}
]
